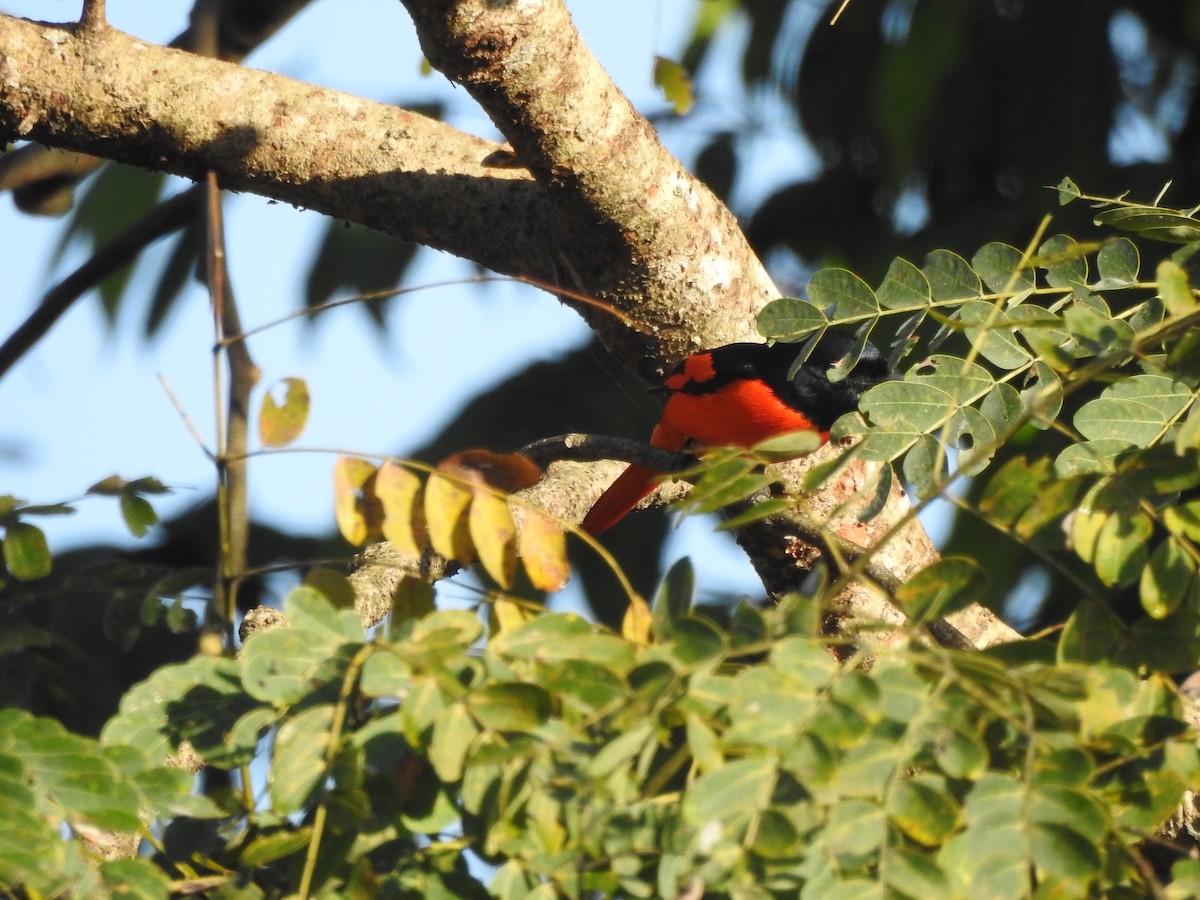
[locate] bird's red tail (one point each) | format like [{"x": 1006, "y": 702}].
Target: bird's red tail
[{"x": 631, "y": 486}]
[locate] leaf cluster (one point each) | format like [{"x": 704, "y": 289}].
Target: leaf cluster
[{"x": 742, "y": 757}]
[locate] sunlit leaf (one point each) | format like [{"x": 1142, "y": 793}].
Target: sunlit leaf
[
  {"x": 790, "y": 319},
  {"x": 1002, "y": 269},
  {"x": 284, "y": 412},
  {"x": 1174, "y": 289},
  {"x": 1135, "y": 409},
  {"x": 447, "y": 501},
  {"x": 352, "y": 498},
  {"x": 493, "y": 533},
  {"x": 904, "y": 287},
  {"x": 299, "y": 758},
  {"x": 399, "y": 493},
  {"x": 672, "y": 79},
  {"x": 542, "y": 546},
  {"x": 842, "y": 295}
]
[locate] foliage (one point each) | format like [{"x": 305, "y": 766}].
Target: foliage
[
  {"x": 575, "y": 761},
  {"x": 540, "y": 755}
]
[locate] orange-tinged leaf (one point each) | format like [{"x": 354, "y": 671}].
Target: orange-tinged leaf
[
  {"x": 446, "y": 503},
  {"x": 635, "y": 627},
  {"x": 353, "y": 498},
  {"x": 280, "y": 422},
  {"x": 506, "y": 472},
  {"x": 492, "y": 531},
  {"x": 543, "y": 549},
  {"x": 399, "y": 493}
]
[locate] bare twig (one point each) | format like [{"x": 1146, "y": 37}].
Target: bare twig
[{"x": 168, "y": 216}]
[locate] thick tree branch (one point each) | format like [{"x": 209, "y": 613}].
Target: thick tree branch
[
  {"x": 646, "y": 220},
  {"x": 149, "y": 106}
]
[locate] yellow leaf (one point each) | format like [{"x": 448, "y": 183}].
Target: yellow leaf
[
  {"x": 636, "y": 625},
  {"x": 672, "y": 79},
  {"x": 353, "y": 498},
  {"x": 446, "y": 502},
  {"x": 399, "y": 492},
  {"x": 508, "y": 615},
  {"x": 492, "y": 531},
  {"x": 1173, "y": 288},
  {"x": 543, "y": 549},
  {"x": 280, "y": 423}
]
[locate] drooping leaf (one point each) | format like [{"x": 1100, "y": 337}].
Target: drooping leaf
[
  {"x": 26, "y": 552},
  {"x": 352, "y": 498}
]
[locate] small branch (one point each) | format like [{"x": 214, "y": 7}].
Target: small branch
[
  {"x": 120, "y": 251},
  {"x": 594, "y": 447},
  {"x": 233, "y": 423}
]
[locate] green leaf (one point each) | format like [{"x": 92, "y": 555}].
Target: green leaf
[
  {"x": 904, "y": 287},
  {"x": 509, "y": 707},
  {"x": 790, "y": 319},
  {"x": 1169, "y": 579},
  {"x": 543, "y": 632},
  {"x": 673, "y": 598},
  {"x": 1117, "y": 263},
  {"x": 26, "y": 552},
  {"x": 913, "y": 874},
  {"x": 281, "y": 421},
  {"x": 1174, "y": 289},
  {"x": 1062, "y": 851},
  {"x": 284, "y": 665},
  {"x": 961, "y": 753},
  {"x": 1065, "y": 262},
  {"x": 855, "y": 828},
  {"x": 1002, "y": 270},
  {"x": 727, "y": 799},
  {"x": 275, "y": 846},
  {"x": 135, "y": 879},
  {"x": 298, "y": 761},
  {"x": 990, "y": 329},
  {"x": 199, "y": 700},
  {"x": 1167, "y": 225},
  {"x": 843, "y": 295},
  {"x": 950, "y": 584},
  {"x": 925, "y": 812},
  {"x": 950, "y": 277},
  {"x": 1135, "y": 409},
  {"x": 1068, "y": 191},
  {"x": 453, "y": 732},
  {"x": 138, "y": 514},
  {"x": 1092, "y": 634}
]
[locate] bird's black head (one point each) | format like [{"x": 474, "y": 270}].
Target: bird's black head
[{"x": 811, "y": 391}]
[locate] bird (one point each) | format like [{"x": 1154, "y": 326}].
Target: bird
[{"x": 740, "y": 395}]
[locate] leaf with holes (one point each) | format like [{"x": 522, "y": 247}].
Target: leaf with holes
[{"x": 281, "y": 421}]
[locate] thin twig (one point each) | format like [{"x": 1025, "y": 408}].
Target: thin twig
[
  {"x": 114, "y": 254},
  {"x": 187, "y": 421}
]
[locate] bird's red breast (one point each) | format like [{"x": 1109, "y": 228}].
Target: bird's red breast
[{"x": 740, "y": 395}]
